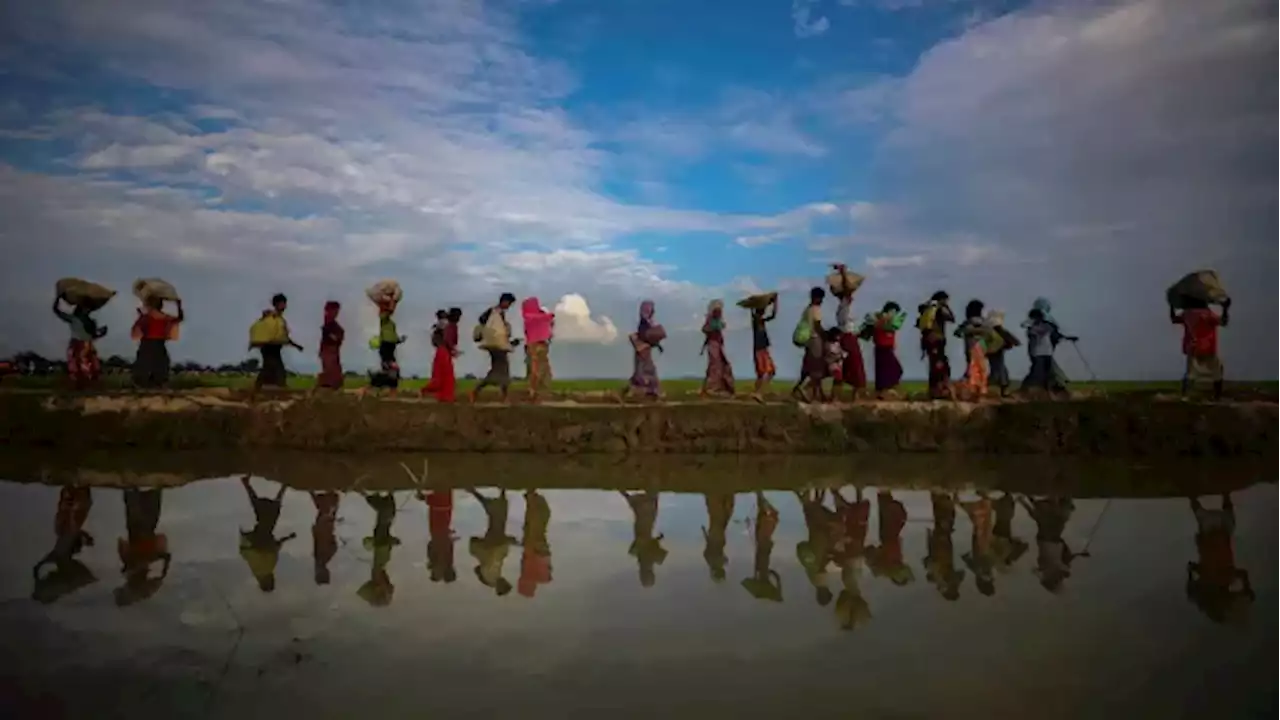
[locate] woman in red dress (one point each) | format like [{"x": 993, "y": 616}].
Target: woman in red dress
[
  {"x": 444, "y": 382},
  {"x": 331, "y": 336}
]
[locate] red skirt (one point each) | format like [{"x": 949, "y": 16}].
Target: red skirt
[
  {"x": 443, "y": 384},
  {"x": 853, "y": 372},
  {"x": 330, "y": 368}
]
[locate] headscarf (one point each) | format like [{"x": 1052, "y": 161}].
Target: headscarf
[
  {"x": 715, "y": 316},
  {"x": 1042, "y": 304},
  {"x": 646, "y": 316},
  {"x": 537, "y": 321},
  {"x": 331, "y": 309}
]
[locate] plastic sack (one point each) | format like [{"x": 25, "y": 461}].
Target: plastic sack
[
  {"x": 1203, "y": 285},
  {"x": 844, "y": 284},
  {"x": 83, "y": 293},
  {"x": 384, "y": 290},
  {"x": 144, "y": 288},
  {"x": 758, "y": 302},
  {"x": 269, "y": 330},
  {"x": 804, "y": 330}
]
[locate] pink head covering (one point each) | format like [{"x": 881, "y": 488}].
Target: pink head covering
[{"x": 537, "y": 321}]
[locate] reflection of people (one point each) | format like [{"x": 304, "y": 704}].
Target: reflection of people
[
  {"x": 940, "y": 563},
  {"x": 981, "y": 556},
  {"x": 719, "y": 513},
  {"x": 378, "y": 590},
  {"x": 1008, "y": 549},
  {"x": 68, "y": 574},
  {"x": 323, "y": 536},
  {"x": 885, "y": 559},
  {"x": 440, "y": 535},
  {"x": 814, "y": 553},
  {"x": 141, "y": 547},
  {"x": 535, "y": 561},
  {"x": 645, "y": 547},
  {"x": 259, "y": 547},
  {"x": 855, "y": 518},
  {"x": 765, "y": 583},
  {"x": 1053, "y": 561},
  {"x": 1216, "y": 586},
  {"x": 491, "y": 550}
]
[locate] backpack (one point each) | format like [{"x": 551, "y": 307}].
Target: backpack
[
  {"x": 928, "y": 318},
  {"x": 268, "y": 330},
  {"x": 804, "y": 330},
  {"x": 992, "y": 341}
]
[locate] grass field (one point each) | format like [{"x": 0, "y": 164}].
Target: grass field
[{"x": 682, "y": 387}]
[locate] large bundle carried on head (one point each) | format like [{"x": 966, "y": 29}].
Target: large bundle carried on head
[
  {"x": 144, "y": 288},
  {"x": 1201, "y": 285},
  {"x": 843, "y": 282},
  {"x": 758, "y": 302},
  {"x": 82, "y": 293},
  {"x": 385, "y": 291}
]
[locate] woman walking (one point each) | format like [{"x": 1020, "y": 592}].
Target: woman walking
[
  {"x": 539, "y": 327},
  {"x": 884, "y": 339},
  {"x": 83, "y": 366},
  {"x": 934, "y": 318},
  {"x": 152, "y": 330},
  {"x": 974, "y": 332},
  {"x": 444, "y": 383},
  {"x": 852, "y": 370},
  {"x": 647, "y": 338},
  {"x": 719, "y": 377},
  {"x": 331, "y": 337}
]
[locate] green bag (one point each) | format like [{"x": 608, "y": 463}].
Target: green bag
[
  {"x": 992, "y": 341},
  {"x": 804, "y": 330}
]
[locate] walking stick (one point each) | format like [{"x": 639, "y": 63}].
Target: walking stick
[
  {"x": 1096, "y": 524},
  {"x": 1092, "y": 375}
]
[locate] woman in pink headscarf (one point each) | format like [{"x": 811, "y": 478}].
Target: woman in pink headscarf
[{"x": 539, "y": 326}]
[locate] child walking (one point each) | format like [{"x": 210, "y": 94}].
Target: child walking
[{"x": 1200, "y": 342}]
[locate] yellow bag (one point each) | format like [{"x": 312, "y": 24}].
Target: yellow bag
[{"x": 269, "y": 330}]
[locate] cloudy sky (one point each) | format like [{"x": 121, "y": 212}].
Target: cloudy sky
[{"x": 598, "y": 153}]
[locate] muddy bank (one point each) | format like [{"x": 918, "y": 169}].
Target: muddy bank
[
  {"x": 1036, "y": 475},
  {"x": 1112, "y": 427}
]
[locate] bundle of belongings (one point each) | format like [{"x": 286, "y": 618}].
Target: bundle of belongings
[{"x": 82, "y": 293}]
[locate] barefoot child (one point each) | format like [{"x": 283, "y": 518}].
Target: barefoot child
[{"x": 765, "y": 369}]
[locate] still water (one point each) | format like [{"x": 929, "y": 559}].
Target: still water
[{"x": 1006, "y": 597}]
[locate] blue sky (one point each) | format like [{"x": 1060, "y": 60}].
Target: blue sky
[{"x": 598, "y": 153}]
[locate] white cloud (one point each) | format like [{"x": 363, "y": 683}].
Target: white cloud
[
  {"x": 806, "y": 22},
  {"x": 575, "y": 324},
  {"x": 899, "y": 261}
]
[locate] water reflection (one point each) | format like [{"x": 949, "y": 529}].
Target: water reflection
[
  {"x": 1217, "y": 587},
  {"x": 852, "y": 543},
  {"x": 141, "y": 547},
  {"x": 68, "y": 573}
]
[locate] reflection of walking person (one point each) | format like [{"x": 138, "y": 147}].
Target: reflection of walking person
[
  {"x": 490, "y": 551},
  {"x": 141, "y": 547},
  {"x": 715, "y": 534},
  {"x": 323, "y": 533},
  {"x": 259, "y": 547},
  {"x": 646, "y": 548},
  {"x": 535, "y": 560},
  {"x": 378, "y": 590},
  {"x": 765, "y": 582},
  {"x": 1217, "y": 587}
]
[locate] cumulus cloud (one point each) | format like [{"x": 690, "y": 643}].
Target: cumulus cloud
[{"x": 575, "y": 324}]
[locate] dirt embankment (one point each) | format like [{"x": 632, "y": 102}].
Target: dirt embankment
[{"x": 1111, "y": 427}]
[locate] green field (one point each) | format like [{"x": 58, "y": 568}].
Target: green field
[{"x": 683, "y": 387}]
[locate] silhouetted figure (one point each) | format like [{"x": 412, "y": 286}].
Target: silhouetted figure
[
  {"x": 645, "y": 547},
  {"x": 324, "y": 538},
  {"x": 815, "y": 553},
  {"x": 535, "y": 560},
  {"x": 765, "y": 583},
  {"x": 440, "y": 535},
  {"x": 378, "y": 590},
  {"x": 68, "y": 574},
  {"x": 886, "y": 559},
  {"x": 1054, "y": 558},
  {"x": 490, "y": 551},
  {"x": 141, "y": 547},
  {"x": 940, "y": 564},
  {"x": 1217, "y": 587},
  {"x": 1008, "y": 549},
  {"x": 259, "y": 547},
  {"x": 981, "y": 558},
  {"x": 715, "y": 534},
  {"x": 851, "y": 550}
]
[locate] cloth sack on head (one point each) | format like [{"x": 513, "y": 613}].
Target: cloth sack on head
[
  {"x": 758, "y": 302},
  {"x": 144, "y": 288},
  {"x": 385, "y": 290},
  {"x": 83, "y": 293},
  {"x": 1203, "y": 285},
  {"x": 846, "y": 283}
]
